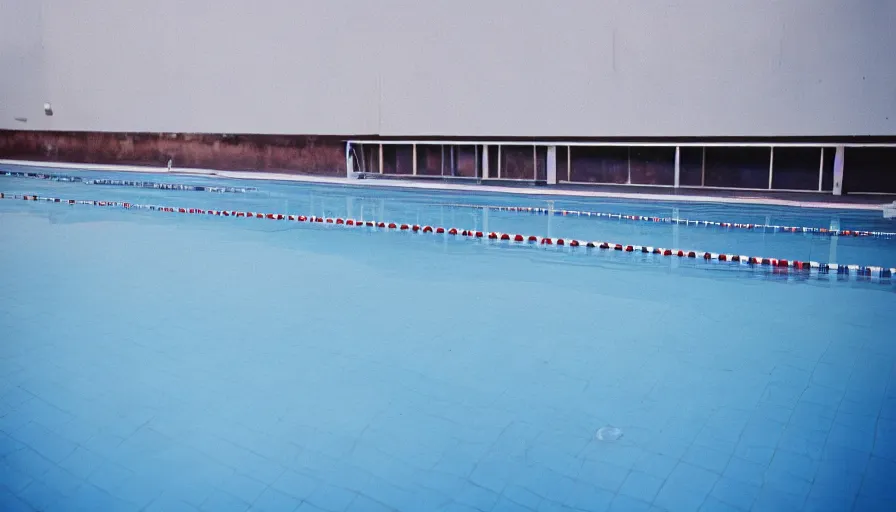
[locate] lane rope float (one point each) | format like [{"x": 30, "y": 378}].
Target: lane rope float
[
  {"x": 778, "y": 265},
  {"x": 128, "y": 183},
  {"x": 674, "y": 220}
]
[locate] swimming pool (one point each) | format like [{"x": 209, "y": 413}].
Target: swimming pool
[{"x": 159, "y": 361}]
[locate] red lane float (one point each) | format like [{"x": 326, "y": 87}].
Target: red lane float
[{"x": 779, "y": 264}]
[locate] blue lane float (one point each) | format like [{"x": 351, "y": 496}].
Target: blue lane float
[{"x": 129, "y": 183}]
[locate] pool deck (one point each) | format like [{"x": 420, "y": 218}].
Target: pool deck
[{"x": 773, "y": 198}]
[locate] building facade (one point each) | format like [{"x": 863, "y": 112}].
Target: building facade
[{"x": 121, "y": 77}]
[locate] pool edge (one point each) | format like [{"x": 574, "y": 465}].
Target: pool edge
[{"x": 441, "y": 186}]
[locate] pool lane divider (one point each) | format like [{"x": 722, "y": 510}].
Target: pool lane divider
[
  {"x": 517, "y": 209},
  {"x": 864, "y": 272},
  {"x": 128, "y": 183},
  {"x": 672, "y": 220}
]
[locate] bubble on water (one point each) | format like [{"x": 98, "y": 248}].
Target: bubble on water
[{"x": 608, "y": 433}]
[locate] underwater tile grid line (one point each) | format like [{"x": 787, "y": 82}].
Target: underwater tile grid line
[{"x": 180, "y": 362}]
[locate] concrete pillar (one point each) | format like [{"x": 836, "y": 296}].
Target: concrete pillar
[
  {"x": 349, "y": 160},
  {"x": 677, "y": 166},
  {"x": 552, "y": 165},
  {"x": 703, "y": 169},
  {"x": 839, "y": 158},
  {"x": 484, "y": 162}
]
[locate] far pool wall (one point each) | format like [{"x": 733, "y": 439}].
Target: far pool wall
[{"x": 866, "y": 169}]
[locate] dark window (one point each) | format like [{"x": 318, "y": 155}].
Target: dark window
[
  {"x": 465, "y": 161},
  {"x": 517, "y": 163},
  {"x": 869, "y": 170},
  {"x": 690, "y": 166},
  {"x": 370, "y": 153},
  {"x": 541, "y": 163},
  {"x": 599, "y": 164},
  {"x": 652, "y": 165},
  {"x": 827, "y": 171},
  {"x": 796, "y": 168},
  {"x": 493, "y": 161},
  {"x": 562, "y": 163},
  {"x": 398, "y": 159},
  {"x": 429, "y": 160},
  {"x": 737, "y": 167}
]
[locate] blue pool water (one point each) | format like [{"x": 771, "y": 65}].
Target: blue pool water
[{"x": 155, "y": 361}]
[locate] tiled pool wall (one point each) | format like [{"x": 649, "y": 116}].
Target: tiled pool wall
[{"x": 795, "y": 168}]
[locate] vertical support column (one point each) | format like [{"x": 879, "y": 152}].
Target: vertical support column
[
  {"x": 499, "y": 162},
  {"x": 414, "y": 156},
  {"x": 821, "y": 170},
  {"x": 552, "y": 165},
  {"x": 453, "y": 165},
  {"x": 677, "y": 166},
  {"x": 476, "y": 169},
  {"x": 484, "y": 162},
  {"x": 771, "y": 166},
  {"x": 839, "y": 158},
  {"x": 349, "y": 160},
  {"x": 703, "y": 168},
  {"x": 381, "y": 159},
  {"x": 628, "y": 179}
]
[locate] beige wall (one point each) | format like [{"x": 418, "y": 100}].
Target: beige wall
[{"x": 452, "y": 67}]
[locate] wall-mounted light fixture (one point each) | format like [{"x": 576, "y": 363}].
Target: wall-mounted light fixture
[{"x": 48, "y": 109}]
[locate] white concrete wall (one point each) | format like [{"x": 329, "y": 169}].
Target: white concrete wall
[
  {"x": 22, "y": 82},
  {"x": 452, "y": 67}
]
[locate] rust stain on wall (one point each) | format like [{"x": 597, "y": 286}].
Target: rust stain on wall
[{"x": 299, "y": 154}]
